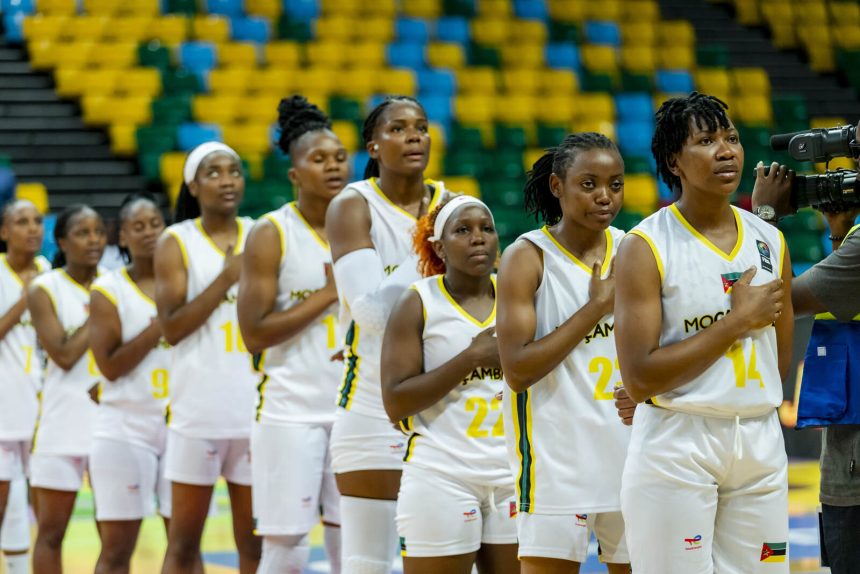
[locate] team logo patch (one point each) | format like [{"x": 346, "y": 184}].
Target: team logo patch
[
  {"x": 764, "y": 254},
  {"x": 581, "y": 520},
  {"x": 729, "y": 279},
  {"x": 773, "y": 552},
  {"x": 471, "y": 515},
  {"x": 694, "y": 543},
  {"x": 512, "y": 509},
  {"x": 396, "y": 447}
]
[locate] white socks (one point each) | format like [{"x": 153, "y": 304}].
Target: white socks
[
  {"x": 284, "y": 555},
  {"x": 17, "y": 563},
  {"x": 331, "y": 537},
  {"x": 369, "y": 535}
]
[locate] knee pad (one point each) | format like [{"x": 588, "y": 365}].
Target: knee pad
[
  {"x": 15, "y": 534},
  {"x": 284, "y": 554},
  {"x": 368, "y": 534}
]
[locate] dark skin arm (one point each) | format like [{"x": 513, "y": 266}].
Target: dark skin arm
[
  {"x": 648, "y": 369},
  {"x": 12, "y": 316},
  {"x": 114, "y": 358},
  {"x": 524, "y": 360},
  {"x": 179, "y": 319},
  {"x": 406, "y": 388},
  {"x": 261, "y": 325},
  {"x": 347, "y": 224},
  {"x": 63, "y": 349}
]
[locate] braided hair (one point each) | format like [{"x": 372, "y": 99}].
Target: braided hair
[
  {"x": 296, "y": 117},
  {"x": 125, "y": 212},
  {"x": 673, "y": 128},
  {"x": 372, "y": 121},
  {"x": 539, "y": 200}
]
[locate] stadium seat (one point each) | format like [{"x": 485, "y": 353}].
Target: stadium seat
[
  {"x": 251, "y": 29},
  {"x": 556, "y": 110},
  {"x": 562, "y": 56},
  {"x": 640, "y": 192},
  {"x": 41, "y": 27},
  {"x": 446, "y": 55},
  {"x": 412, "y": 30},
  {"x": 139, "y": 82},
  {"x": 233, "y": 81},
  {"x": 527, "y": 31},
  {"x": 713, "y": 81},
  {"x": 634, "y": 107},
  {"x": 558, "y": 82},
  {"x": 477, "y": 80},
  {"x": 602, "y": 32},
  {"x": 377, "y": 29},
  {"x": 282, "y": 54},
  {"x": 398, "y": 81},
  {"x": 523, "y": 55},
  {"x": 114, "y": 55},
  {"x": 750, "y": 81},
  {"x": 406, "y": 55},
  {"x": 129, "y": 29},
  {"x": 170, "y": 29},
  {"x": 634, "y": 136},
  {"x": 638, "y": 33},
  {"x": 231, "y": 8},
  {"x": 474, "y": 108},
  {"x": 676, "y": 33},
  {"x": 438, "y": 108},
  {"x": 198, "y": 56},
  {"x": 85, "y": 28},
  {"x": 35, "y": 192},
  {"x": 271, "y": 9},
  {"x": 190, "y": 135},
  {"x": 531, "y": 9},
  {"x": 572, "y": 11},
  {"x": 365, "y": 55},
  {"x": 676, "y": 57},
  {"x": 524, "y": 81},
  {"x": 639, "y": 58},
  {"x": 490, "y": 31},
  {"x": 422, "y": 8},
  {"x": 238, "y": 54},
  {"x": 600, "y": 58},
  {"x": 302, "y": 10},
  {"x": 597, "y": 106},
  {"x": 674, "y": 81},
  {"x": 210, "y": 28},
  {"x": 453, "y": 29},
  {"x": 436, "y": 83},
  {"x": 215, "y": 109},
  {"x": 357, "y": 83}
]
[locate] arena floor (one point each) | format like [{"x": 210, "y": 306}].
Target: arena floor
[{"x": 82, "y": 545}]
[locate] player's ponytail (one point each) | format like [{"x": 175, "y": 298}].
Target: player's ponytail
[{"x": 429, "y": 263}]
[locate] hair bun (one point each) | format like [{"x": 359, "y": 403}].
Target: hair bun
[{"x": 296, "y": 117}]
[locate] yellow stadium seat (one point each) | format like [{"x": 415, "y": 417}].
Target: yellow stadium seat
[
  {"x": 340, "y": 7},
  {"x": 43, "y": 54},
  {"x": 570, "y": 11},
  {"x": 776, "y": 12},
  {"x": 437, "y": 136},
  {"x": 559, "y": 82},
  {"x": 474, "y": 108},
  {"x": 141, "y": 8},
  {"x": 640, "y": 10},
  {"x": 527, "y": 31},
  {"x": 140, "y": 82},
  {"x": 386, "y": 8},
  {"x": 847, "y": 36},
  {"x": 434, "y": 166},
  {"x": 359, "y": 83},
  {"x": 69, "y": 81},
  {"x": 337, "y": 28},
  {"x": 530, "y": 157},
  {"x": 523, "y": 55},
  {"x": 329, "y": 54},
  {"x": 380, "y": 29},
  {"x": 713, "y": 81},
  {"x": 230, "y": 81},
  {"x": 123, "y": 140},
  {"x": 603, "y": 10},
  {"x": 422, "y": 8},
  {"x": 75, "y": 54},
  {"x": 171, "y": 29},
  {"x": 640, "y": 193},
  {"x": 676, "y": 32},
  {"x": 248, "y": 138},
  {"x": 490, "y": 31},
  {"x": 85, "y": 28},
  {"x": 752, "y": 108},
  {"x": 477, "y": 79},
  {"x": 783, "y": 35},
  {"x": 495, "y": 8},
  {"x": 269, "y": 8},
  {"x": 170, "y": 166},
  {"x": 638, "y": 33},
  {"x": 844, "y": 12},
  {"x": 600, "y": 58},
  {"x": 750, "y": 81},
  {"x": 114, "y": 55},
  {"x": 283, "y": 54},
  {"x": 34, "y": 192},
  {"x": 129, "y": 29},
  {"x": 676, "y": 57},
  {"x": 397, "y": 81},
  {"x": 821, "y": 57},
  {"x": 98, "y": 109},
  {"x": 210, "y": 28},
  {"x": 131, "y": 110},
  {"x": 446, "y": 55},
  {"x": 317, "y": 80},
  {"x": 462, "y": 184},
  {"x": 215, "y": 109},
  {"x": 641, "y": 59},
  {"x": 348, "y": 134},
  {"x": 516, "y": 109},
  {"x": 596, "y": 106},
  {"x": 239, "y": 54},
  {"x": 594, "y": 125},
  {"x": 365, "y": 54},
  {"x": 40, "y": 27},
  {"x": 103, "y": 7},
  {"x": 810, "y": 13},
  {"x": 262, "y": 109},
  {"x": 58, "y": 7},
  {"x": 525, "y": 81},
  {"x": 748, "y": 13},
  {"x": 272, "y": 81},
  {"x": 556, "y": 109}
]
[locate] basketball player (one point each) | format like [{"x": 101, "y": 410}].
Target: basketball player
[
  {"x": 21, "y": 230},
  {"x": 288, "y": 314},
  {"x": 441, "y": 373},
  {"x": 703, "y": 327},
  {"x": 129, "y": 436},
  {"x": 369, "y": 227},
  {"x": 556, "y": 295},
  {"x": 59, "y": 303},
  {"x": 197, "y": 264}
]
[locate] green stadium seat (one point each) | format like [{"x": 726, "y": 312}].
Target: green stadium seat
[
  {"x": 275, "y": 167},
  {"x": 511, "y": 137},
  {"x": 188, "y": 7},
  {"x": 479, "y": 55},
  {"x": 465, "y": 137},
  {"x": 712, "y": 55},
  {"x": 293, "y": 30},
  {"x": 171, "y": 110},
  {"x": 463, "y": 162},
  {"x": 153, "y": 54},
  {"x": 805, "y": 247},
  {"x": 342, "y": 108},
  {"x": 633, "y": 82},
  {"x": 549, "y": 135}
]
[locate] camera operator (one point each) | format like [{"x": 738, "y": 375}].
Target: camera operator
[{"x": 831, "y": 286}]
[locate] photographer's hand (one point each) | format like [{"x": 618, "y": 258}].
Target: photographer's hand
[
  {"x": 774, "y": 189},
  {"x": 840, "y": 222}
]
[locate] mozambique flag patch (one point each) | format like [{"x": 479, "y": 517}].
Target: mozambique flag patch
[
  {"x": 729, "y": 279},
  {"x": 773, "y": 552}
]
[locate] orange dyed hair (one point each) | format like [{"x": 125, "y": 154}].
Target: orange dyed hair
[{"x": 429, "y": 263}]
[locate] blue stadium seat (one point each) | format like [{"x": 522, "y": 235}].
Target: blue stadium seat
[
  {"x": 198, "y": 56},
  {"x": 634, "y": 106},
  {"x": 531, "y": 9},
  {"x": 562, "y": 55},
  {"x": 453, "y": 29},
  {"x": 600, "y": 32},
  {"x": 359, "y": 161},
  {"x": 302, "y": 10},
  {"x": 634, "y": 137},
  {"x": 405, "y": 55},
  {"x": 412, "y": 30},
  {"x": 251, "y": 29},
  {"x": 13, "y": 22},
  {"x": 663, "y": 191},
  {"x": 25, "y": 6},
  {"x": 191, "y": 135},
  {"x": 437, "y": 107},
  {"x": 437, "y": 83},
  {"x": 49, "y": 245},
  {"x": 231, "y": 8},
  {"x": 674, "y": 81}
]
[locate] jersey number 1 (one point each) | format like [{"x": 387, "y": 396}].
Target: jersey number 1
[
  {"x": 233, "y": 338},
  {"x": 743, "y": 372}
]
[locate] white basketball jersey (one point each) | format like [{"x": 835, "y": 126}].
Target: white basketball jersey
[
  {"x": 68, "y": 412},
  {"x": 212, "y": 380},
  {"x": 299, "y": 377},
  {"x": 463, "y": 434},
  {"x": 568, "y": 446},
  {"x": 131, "y": 408},
  {"x": 21, "y": 360},
  {"x": 697, "y": 278},
  {"x": 391, "y": 231}
]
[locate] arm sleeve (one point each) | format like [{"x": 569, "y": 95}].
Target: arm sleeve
[
  {"x": 835, "y": 281},
  {"x": 372, "y": 309},
  {"x": 358, "y": 273}
]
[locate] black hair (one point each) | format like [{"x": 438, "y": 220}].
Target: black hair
[
  {"x": 673, "y": 128},
  {"x": 296, "y": 117},
  {"x": 4, "y": 211},
  {"x": 539, "y": 200},
  {"x": 61, "y": 229},
  {"x": 370, "y": 123},
  {"x": 125, "y": 211},
  {"x": 187, "y": 206}
]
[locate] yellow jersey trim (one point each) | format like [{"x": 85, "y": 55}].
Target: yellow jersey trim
[
  {"x": 707, "y": 242},
  {"x": 654, "y": 251},
  {"x": 182, "y": 250},
  {"x": 50, "y": 296},
  {"x": 71, "y": 280},
  {"x": 607, "y": 256},
  {"x": 237, "y": 248},
  {"x": 782, "y": 252},
  {"x": 144, "y": 296},
  {"x": 107, "y": 294},
  {"x": 320, "y": 240},
  {"x": 485, "y": 323},
  {"x": 281, "y": 233},
  {"x": 434, "y": 200}
]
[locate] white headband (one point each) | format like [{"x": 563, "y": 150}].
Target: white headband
[
  {"x": 198, "y": 154},
  {"x": 450, "y": 208}
]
